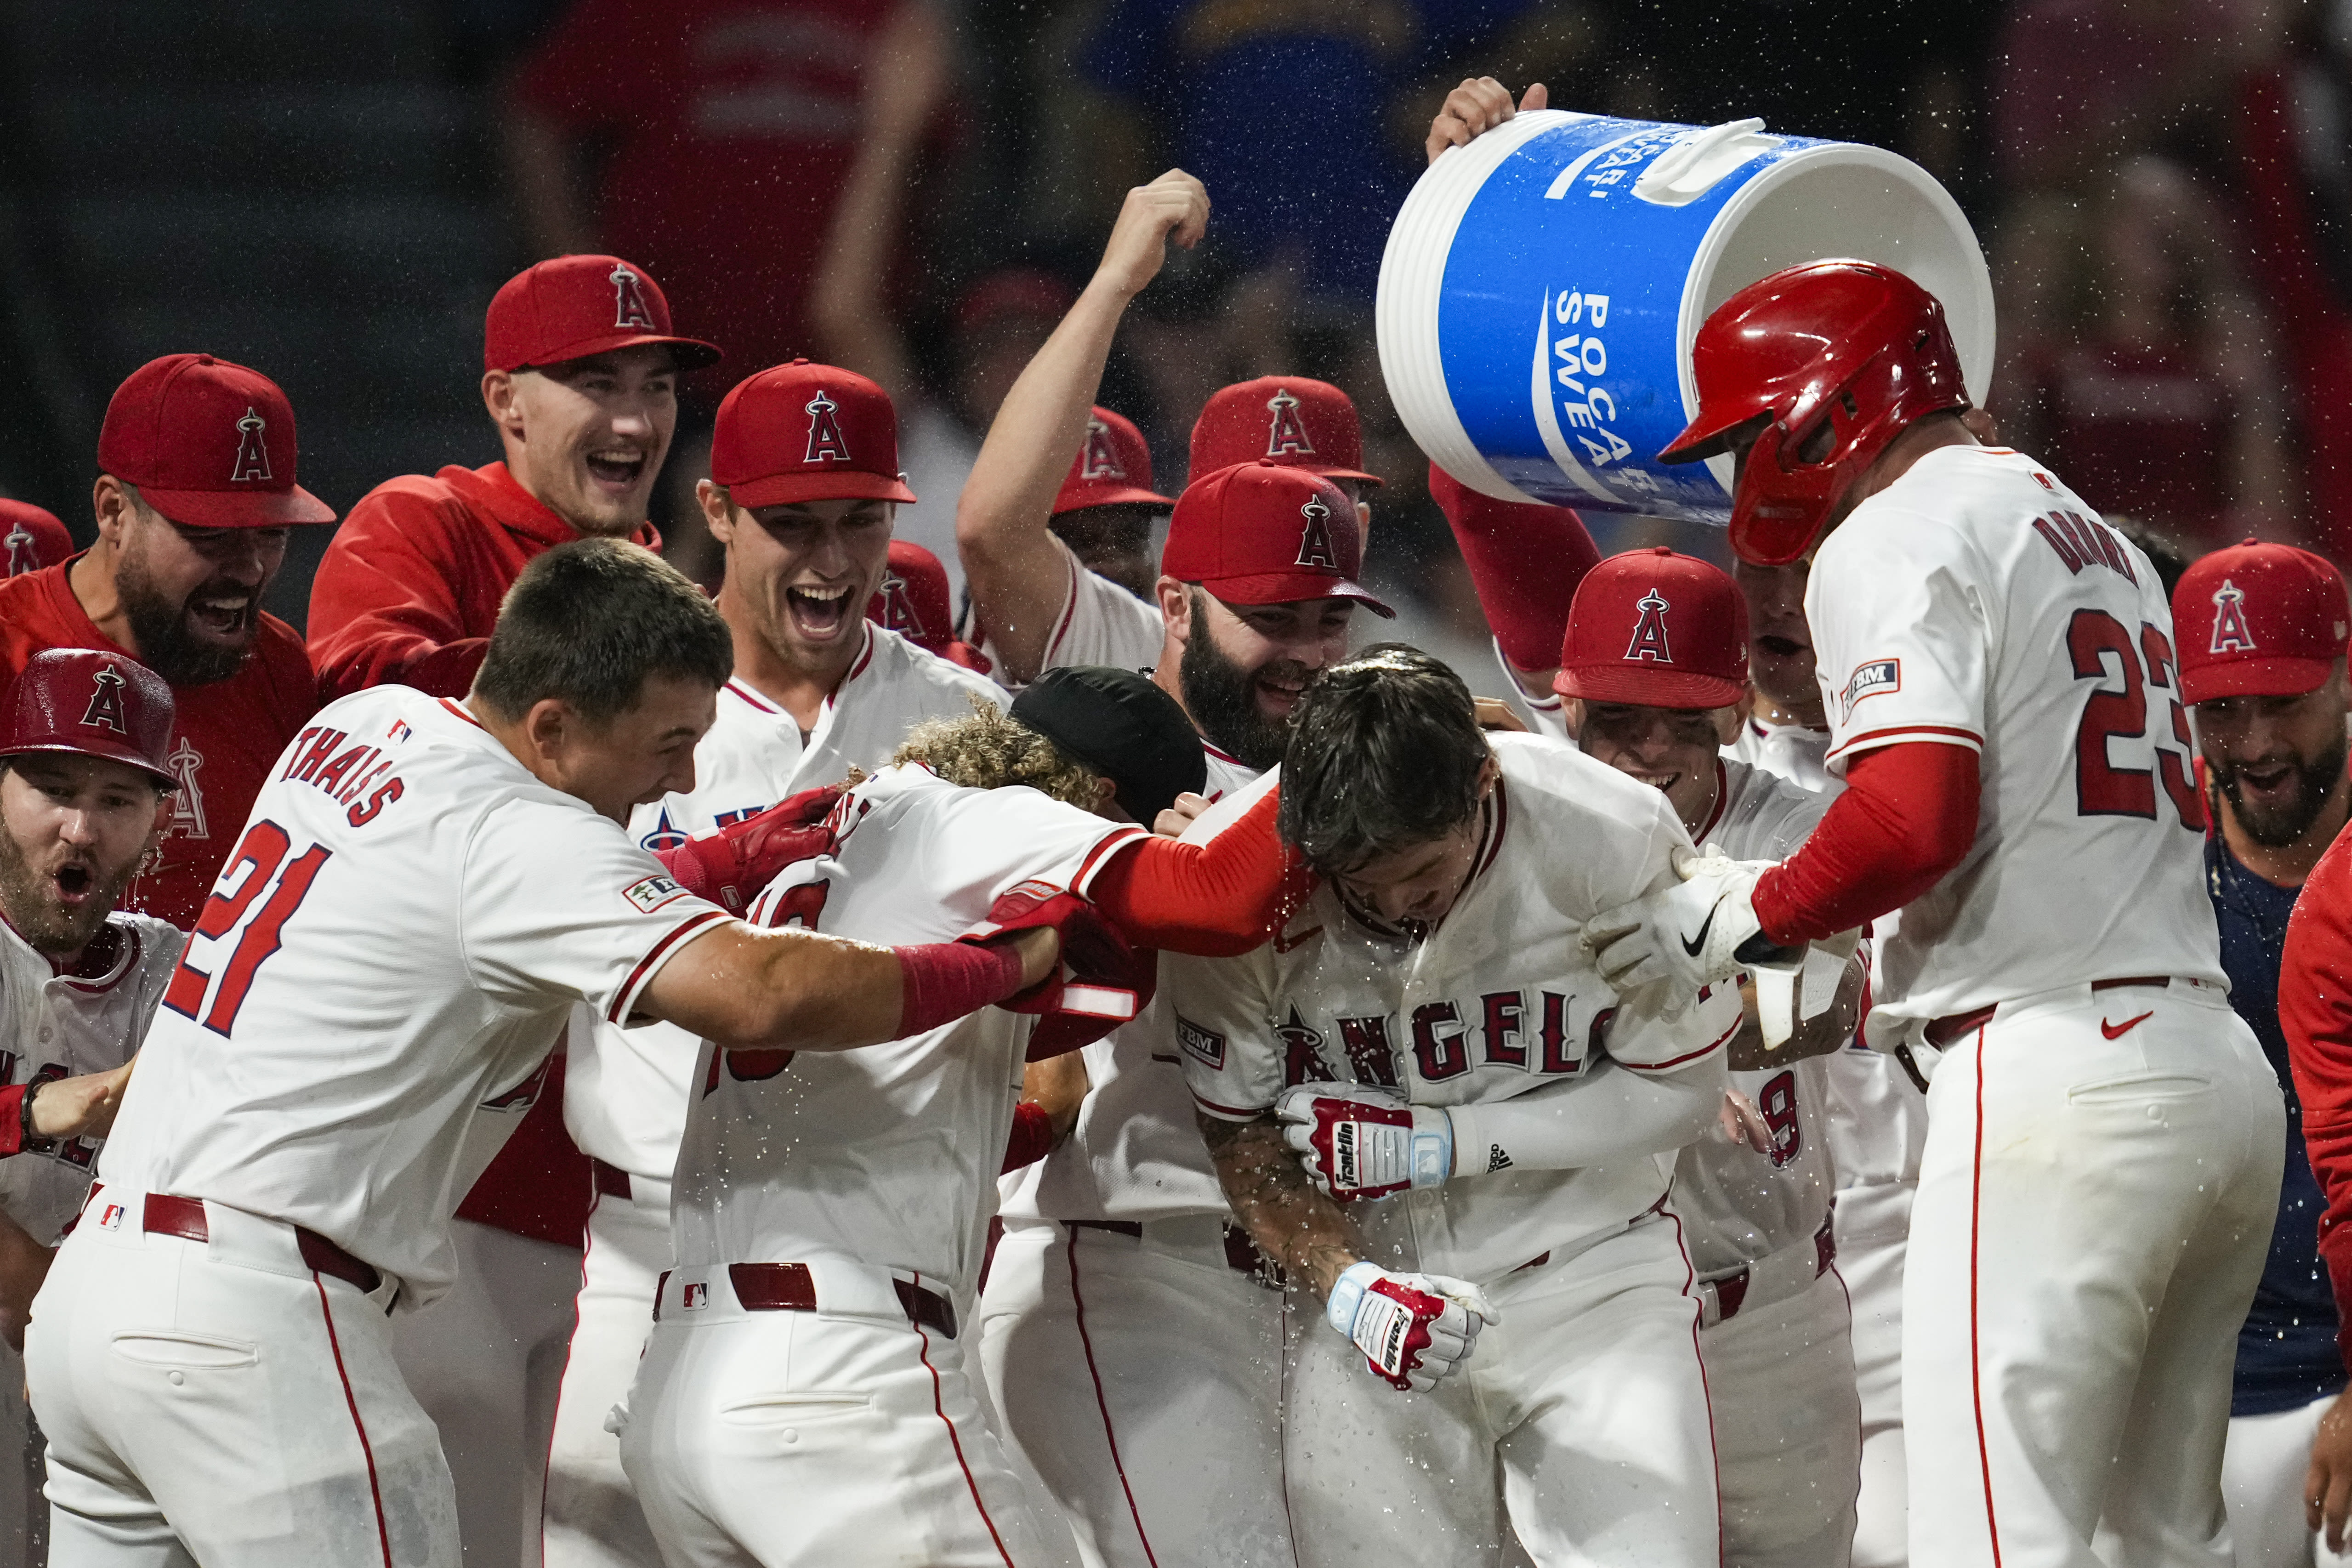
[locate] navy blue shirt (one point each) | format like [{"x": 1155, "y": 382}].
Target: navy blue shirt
[{"x": 2287, "y": 1353}]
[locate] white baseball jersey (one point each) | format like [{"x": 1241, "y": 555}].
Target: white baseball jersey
[
  {"x": 1100, "y": 623},
  {"x": 887, "y": 1155},
  {"x": 1498, "y": 999},
  {"x": 1793, "y": 751},
  {"x": 397, "y": 939},
  {"x": 1544, "y": 712},
  {"x": 63, "y": 1026},
  {"x": 1741, "y": 1206},
  {"x": 624, "y": 1092},
  {"x": 1978, "y": 602}
]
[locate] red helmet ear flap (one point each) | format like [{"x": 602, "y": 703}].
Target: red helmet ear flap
[{"x": 1779, "y": 506}]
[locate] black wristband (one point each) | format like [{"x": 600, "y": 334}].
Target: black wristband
[{"x": 25, "y": 1133}]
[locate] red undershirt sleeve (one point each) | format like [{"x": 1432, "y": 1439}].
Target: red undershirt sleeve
[
  {"x": 1218, "y": 899},
  {"x": 2315, "y": 998},
  {"x": 1524, "y": 563},
  {"x": 1907, "y": 816}
]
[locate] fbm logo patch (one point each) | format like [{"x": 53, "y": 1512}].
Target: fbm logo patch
[
  {"x": 653, "y": 893},
  {"x": 1875, "y": 678},
  {"x": 1204, "y": 1045}
]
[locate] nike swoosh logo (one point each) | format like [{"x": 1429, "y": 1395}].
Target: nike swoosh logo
[
  {"x": 2118, "y": 1031},
  {"x": 1691, "y": 944},
  {"x": 1285, "y": 941}
]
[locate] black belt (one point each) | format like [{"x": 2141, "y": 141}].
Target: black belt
[{"x": 791, "y": 1287}]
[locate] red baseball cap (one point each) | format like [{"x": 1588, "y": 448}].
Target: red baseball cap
[
  {"x": 913, "y": 598},
  {"x": 209, "y": 444},
  {"x": 1286, "y": 419},
  {"x": 2258, "y": 620},
  {"x": 1259, "y": 533},
  {"x": 95, "y": 704},
  {"x": 1113, "y": 468},
  {"x": 807, "y": 432},
  {"x": 31, "y": 537},
  {"x": 1657, "y": 630},
  {"x": 574, "y": 306}
]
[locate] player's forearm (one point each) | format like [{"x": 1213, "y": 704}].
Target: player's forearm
[
  {"x": 1907, "y": 817},
  {"x": 1524, "y": 563},
  {"x": 1217, "y": 899},
  {"x": 845, "y": 297},
  {"x": 1610, "y": 1114},
  {"x": 1291, "y": 1223},
  {"x": 538, "y": 165}
]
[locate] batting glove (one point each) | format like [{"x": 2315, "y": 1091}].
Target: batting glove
[
  {"x": 1101, "y": 982},
  {"x": 731, "y": 865},
  {"x": 1702, "y": 929},
  {"x": 1414, "y": 1328},
  {"x": 1360, "y": 1141}
]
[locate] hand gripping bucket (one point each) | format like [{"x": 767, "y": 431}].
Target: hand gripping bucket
[{"x": 1542, "y": 285}]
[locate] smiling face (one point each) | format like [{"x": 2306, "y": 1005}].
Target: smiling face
[
  {"x": 2276, "y": 759},
  {"x": 1243, "y": 666},
  {"x": 1669, "y": 749},
  {"x": 587, "y": 437},
  {"x": 798, "y": 576},
  {"x": 191, "y": 595},
  {"x": 640, "y": 754},
  {"x": 1413, "y": 888},
  {"x": 73, "y": 830}
]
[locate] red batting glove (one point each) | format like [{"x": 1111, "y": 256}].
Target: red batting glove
[
  {"x": 1101, "y": 982},
  {"x": 730, "y": 865}
]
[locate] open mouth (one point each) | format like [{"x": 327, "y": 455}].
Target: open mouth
[
  {"x": 73, "y": 884},
  {"x": 2267, "y": 781},
  {"x": 224, "y": 616},
  {"x": 617, "y": 469},
  {"x": 818, "y": 613},
  {"x": 1779, "y": 647},
  {"x": 1278, "y": 691}
]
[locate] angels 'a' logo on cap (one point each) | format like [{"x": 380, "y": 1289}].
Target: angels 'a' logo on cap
[
  {"x": 629, "y": 306},
  {"x": 825, "y": 442},
  {"x": 1286, "y": 432},
  {"x": 21, "y": 559},
  {"x": 105, "y": 709},
  {"x": 898, "y": 612},
  {"x": 252, "y": 458},
  {"x": 1101, "y": 459},
  {"x": 1649, "y": 640},
  {"x": 1315, "y": 546},
  {"x": 2230, "y": 632}
]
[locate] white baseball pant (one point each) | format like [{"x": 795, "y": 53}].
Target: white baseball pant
[
  {"x": 485, "y": 1361},
  {"x": 847, "y": 1434},
  {"x": 592, "y": 1520},
  {"x": 1581, "y": 1421},
  {"x": 2097, "y": 1193},
  {"x": 2263, "y": 1470},
  {"x": 1139, "y": 1378},
  {"x": 1788, "y": 1422},
  {"x": 1874, "y": 1226},
  {"x": 219, "y": 1402}
]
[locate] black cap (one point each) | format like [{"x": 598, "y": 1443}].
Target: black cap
[{"x": 1119, "y": 723}]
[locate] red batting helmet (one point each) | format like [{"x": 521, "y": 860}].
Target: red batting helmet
[
  {"x": 94, "y": 704},
  {"x": 1851, "y": 349}
]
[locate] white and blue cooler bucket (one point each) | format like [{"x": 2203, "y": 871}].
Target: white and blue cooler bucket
[{"x": 1542, "y": 285}]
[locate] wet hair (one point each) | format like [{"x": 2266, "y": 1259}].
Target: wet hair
[
  {"x": 1384, "y": 755},
  {"x": 586, "y": 623},
  {"x": 989, "y": 751}
]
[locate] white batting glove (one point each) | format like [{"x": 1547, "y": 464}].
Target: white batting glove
[
  {"x": 1414, "y": 1328},
  {"x": 1702, "y": 929},
  {"x": 1358, "y": 1140}
]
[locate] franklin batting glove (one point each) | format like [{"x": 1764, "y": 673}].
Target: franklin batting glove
[
  {"x": 1358, "y": 1140},
  {"x": 1414, "y": 1328}
]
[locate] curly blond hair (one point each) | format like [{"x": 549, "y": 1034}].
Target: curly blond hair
[{"x": 989, "y": 751}]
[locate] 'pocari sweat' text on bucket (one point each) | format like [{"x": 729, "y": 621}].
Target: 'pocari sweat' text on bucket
[{"x": 1542, "y": 285}]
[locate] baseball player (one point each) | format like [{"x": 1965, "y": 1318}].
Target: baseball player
[
  {"x": 1653, "y": 674},
  {"x": 2262, "y": 668},
  {"x": 1130, "y": 1339},
  {"x": 580, "y": 369},
  {"x": 85, "y": 738},
  {"x": 804, "y": 464},
  {"x": 1398, "y": 1027},
  {"x": 913, "y": 602},
  {"x": 804, "y": 1396},
  {"x": 194, "y": 500},
  {"x": 31, "y": 537},
  {"x": 2101, "y": 1169},
  {"x": 431, "y": 885}
]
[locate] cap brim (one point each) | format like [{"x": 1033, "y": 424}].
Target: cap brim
[
  {"x": 1126, "y": 496},
  {"x": 691, "y": 354},
  {"x": 1292, "y": 588},
  {"x": 1344, "y": 474},
  {"x": 2253, "y": 678},
  {"x": 841, "y": 484},
  {"x": 125, "y": 758},
  {"x": 238, "y": 509},
  {"x": 1648, "y": 687}
]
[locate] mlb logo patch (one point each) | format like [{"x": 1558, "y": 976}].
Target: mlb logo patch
[
  {"x": 698, "y": 1294},
  {"x": 1875, "y": 678},
  {"x": 110, "y": 1217},
  {"x": 653, "y": 893},
  {"x": 1204, "y": 1045}
]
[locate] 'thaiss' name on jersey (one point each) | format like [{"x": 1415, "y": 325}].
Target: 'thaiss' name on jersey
[
  {"x": 1497, "y": 1000},
  {"x": 1977, "y": 602},
  {"x": 886, "y": 1155},
  {"x": 396, "y": 940}
]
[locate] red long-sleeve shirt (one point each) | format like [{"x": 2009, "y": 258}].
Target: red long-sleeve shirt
[
  {"x": 410, "y": 588},
  {"x": 2314, "y": 1004}
]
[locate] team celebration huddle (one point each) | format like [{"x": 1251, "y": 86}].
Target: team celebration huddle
[{"x": 1783, "y": 1067}]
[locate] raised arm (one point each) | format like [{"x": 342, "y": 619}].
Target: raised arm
[{"x": 1018, "y": 573}]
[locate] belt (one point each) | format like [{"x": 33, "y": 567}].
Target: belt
[
  {"x": 169, "y": 1216},
  {"x": 791, "y": 1287},
  {"x": 612, "y": 1181},
  {"x": 1941, "y": 1032},
  {"x": 1721, "y": 1298},
  {"x": 1242, "y": 1254}
]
